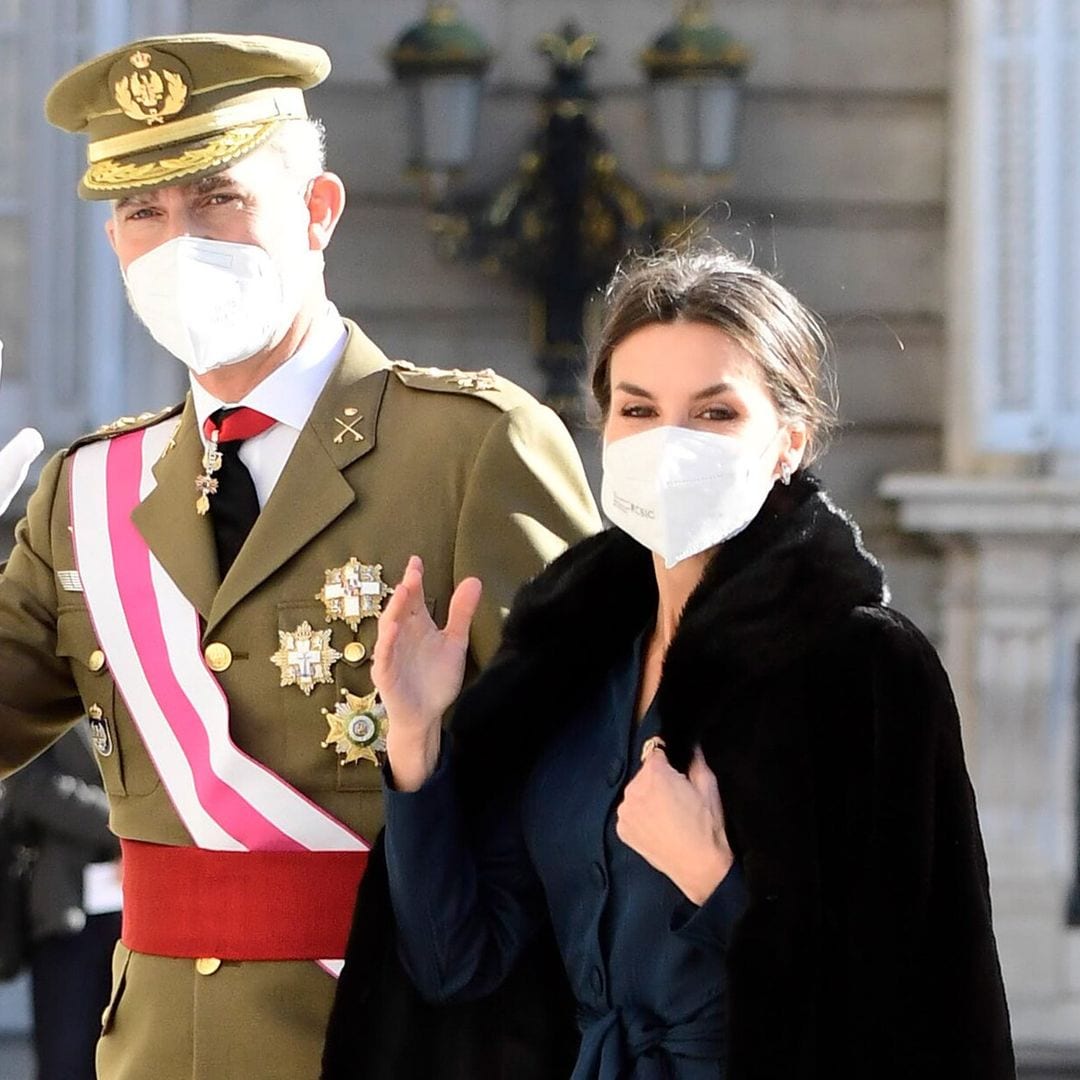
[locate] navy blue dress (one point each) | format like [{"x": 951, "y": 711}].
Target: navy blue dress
[{"x": 645, "y": 964}]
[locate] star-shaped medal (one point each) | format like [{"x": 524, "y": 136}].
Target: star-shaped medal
[
  {"x": 354, "y": 592},
  {"x": 358, "y": 728},
  {"x": 305, "y": 657}
]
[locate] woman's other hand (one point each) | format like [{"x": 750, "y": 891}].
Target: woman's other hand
[
  {"x": 676, "y": 823},
  {"x": 418, "y": 670}
]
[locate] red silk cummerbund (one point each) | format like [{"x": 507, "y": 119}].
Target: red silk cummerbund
[{"x": 238, "y": 905}]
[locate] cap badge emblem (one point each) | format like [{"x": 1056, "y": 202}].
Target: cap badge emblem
[{"x": 150, "y": 93}]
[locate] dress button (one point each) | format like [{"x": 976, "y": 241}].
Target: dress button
[
  {"x": 218, "y": 656},
  {"x": 96, "y": 660},
  {"x": 207, "y": 965},
  {"x": 614, "y": 771},
  {"x": 596, "y": 980},
  {"x": 355, "y": 652},
  {"x": 598, "y": 875}
]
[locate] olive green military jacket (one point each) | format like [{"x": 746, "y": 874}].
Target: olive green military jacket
[{"x": 466, "y": 470}]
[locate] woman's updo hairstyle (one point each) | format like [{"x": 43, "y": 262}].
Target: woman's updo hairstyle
[{"x": 711, "y": 285}]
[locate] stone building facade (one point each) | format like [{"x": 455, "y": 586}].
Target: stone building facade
[{"x": 852, "y": 175}]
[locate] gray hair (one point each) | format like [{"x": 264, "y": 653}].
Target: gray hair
[{"x": 302, "y": 146}]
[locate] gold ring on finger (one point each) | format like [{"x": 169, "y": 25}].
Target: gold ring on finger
[{"x": 653, "y": 742}]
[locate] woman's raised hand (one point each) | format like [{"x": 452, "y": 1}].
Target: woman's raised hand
[
  {"x": 676, "y": 823},
  {"x": 418, "y": 670}
]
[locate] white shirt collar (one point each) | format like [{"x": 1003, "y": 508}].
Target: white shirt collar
[{"x": 288, "y": 393}]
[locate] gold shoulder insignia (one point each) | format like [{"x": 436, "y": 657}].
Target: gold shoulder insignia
[
  {"x": 125, "y": 424},
  {"x": 446, "y": 379}
]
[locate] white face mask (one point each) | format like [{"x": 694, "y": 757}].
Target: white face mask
[
  {"x": 678, "y": 491},
  {"x": 210, "y": 302}
]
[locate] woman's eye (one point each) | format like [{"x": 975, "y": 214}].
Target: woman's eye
[
  {"x": 718, "y": 412},
  {"x": 639, "y": 411}
]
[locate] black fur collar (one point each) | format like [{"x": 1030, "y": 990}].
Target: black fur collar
[{"x": 766, "y": 598}]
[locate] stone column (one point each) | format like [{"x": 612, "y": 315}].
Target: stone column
[{"x": 1005, "y": 510}]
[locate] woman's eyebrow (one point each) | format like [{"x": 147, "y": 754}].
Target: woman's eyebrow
[
  {"x": 634, "y": 391},
  {"x": 716, "y": 388}
]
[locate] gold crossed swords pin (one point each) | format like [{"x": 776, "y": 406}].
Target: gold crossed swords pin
[{"x": 352, "y": 417}]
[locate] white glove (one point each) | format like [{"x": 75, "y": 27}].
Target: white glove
[{"x": 16, "y": 458}]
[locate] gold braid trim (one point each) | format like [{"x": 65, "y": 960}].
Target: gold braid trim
[{"x": 112, "y": 175}]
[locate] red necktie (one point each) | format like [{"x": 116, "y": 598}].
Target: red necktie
[
  {"x": 235, "y": 505},
  {"x": 237, "y": 423}
]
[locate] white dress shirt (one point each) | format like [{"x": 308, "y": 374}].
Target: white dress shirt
[{"x": 288, "y": 394}]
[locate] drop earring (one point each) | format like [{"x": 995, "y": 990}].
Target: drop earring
[{"x": 785, "y": 473}]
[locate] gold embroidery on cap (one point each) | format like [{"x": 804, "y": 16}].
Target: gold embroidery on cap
[
  {"x": 115, "y": 175},
  {"x": 148, "y": 94}
]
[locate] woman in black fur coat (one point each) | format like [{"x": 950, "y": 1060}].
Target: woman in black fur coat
[{"x": 710, "y": 766}]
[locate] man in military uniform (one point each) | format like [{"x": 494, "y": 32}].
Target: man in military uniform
[{"x": 204, "y": 583}]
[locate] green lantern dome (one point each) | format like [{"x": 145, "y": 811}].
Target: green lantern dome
[
  {"x": 442, "y": 44},
  {"x": 695, "y": 46}
]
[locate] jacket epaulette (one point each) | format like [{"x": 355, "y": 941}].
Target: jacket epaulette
[
  {"x": 485, "y": 384},
  {"x": 124, "y": 425}
]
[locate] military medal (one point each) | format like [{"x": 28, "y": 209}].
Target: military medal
[
  {"x": 207, "y": 484},
  {"x": 354, "y": 592},
  {"x": 358, "y": 728},
  {"x": 100, "y": 735},
  {"x": 306, "y": 657}
]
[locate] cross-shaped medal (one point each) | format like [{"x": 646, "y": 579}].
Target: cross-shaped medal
[{"x": 306, "y": 657}]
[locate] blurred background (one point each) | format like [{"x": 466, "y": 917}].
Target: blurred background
[{"x": 907, "y": 167}]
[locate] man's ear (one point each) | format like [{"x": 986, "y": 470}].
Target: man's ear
[
  {"x": 326, "y": 201},
  {"x": 110, "y": 231}
]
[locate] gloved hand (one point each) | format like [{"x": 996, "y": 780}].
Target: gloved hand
[{"x": 16, "y": 458}]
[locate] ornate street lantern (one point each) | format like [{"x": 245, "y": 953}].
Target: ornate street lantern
[
  {"x": 442, "y": 61},
  {"x": 560, "y": 223},
  {"x": 563, "y": 220},
  {"x": 696, "y": 69}
]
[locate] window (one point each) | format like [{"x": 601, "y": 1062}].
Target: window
[{"x": 1018, "y": 254}]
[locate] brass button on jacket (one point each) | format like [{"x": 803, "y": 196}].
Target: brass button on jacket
[
  {"x": 218, "y": 656},
  {"x": 96, "y": 660},
  {"x": 355, "y": 652},
  {"x": 207, "y": 965}
]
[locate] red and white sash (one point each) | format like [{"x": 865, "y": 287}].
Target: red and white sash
[{"x": 151, "y": 634}]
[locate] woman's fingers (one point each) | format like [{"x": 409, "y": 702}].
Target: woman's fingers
[
  {"x": 704, "y": 782},
  {"x": 463, "y": 605},
  {"x": 406, "y": 617}
]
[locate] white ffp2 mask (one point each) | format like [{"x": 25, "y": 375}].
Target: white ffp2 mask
[
  {"x": 209, "y": 302},
  {"x": 678, "y": 491}
]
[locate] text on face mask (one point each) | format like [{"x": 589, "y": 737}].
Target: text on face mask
[{"x": 628, "y": 507}]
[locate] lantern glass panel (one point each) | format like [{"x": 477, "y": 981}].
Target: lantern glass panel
[
  {"x": 445, "y": 113},
  {"x": 717, "y": 117},
  {"x": 673, "y": 118}
]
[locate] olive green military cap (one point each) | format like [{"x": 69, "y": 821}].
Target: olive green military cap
[{"x": 168, "y": 110}]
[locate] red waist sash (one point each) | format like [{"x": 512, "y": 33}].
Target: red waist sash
[{"x": 238, "y": 905}]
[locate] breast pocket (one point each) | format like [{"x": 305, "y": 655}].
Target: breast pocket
[
  {"x": 307, "y": 716},
  {"x": 310, "y": 719},
  {"x": 75, "y": 641},
  {"x": 126, "y": 768}
]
